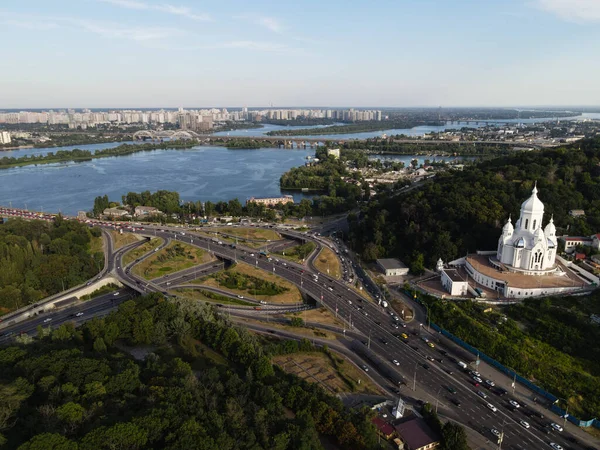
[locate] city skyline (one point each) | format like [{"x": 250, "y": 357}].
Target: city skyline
[{"x": 137, "y": 53}]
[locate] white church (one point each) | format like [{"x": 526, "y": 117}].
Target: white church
[{"x": 524, "y": 264}]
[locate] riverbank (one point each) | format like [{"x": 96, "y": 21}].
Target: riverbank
[
  {"x": 359, "y": 127},
  {"x": 18, "y": 147}
]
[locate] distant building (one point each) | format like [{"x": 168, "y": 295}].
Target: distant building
[
  {"x": 454, "y": 283},
  {"x": 577, "y": 213},
  {"x": 571, "y": 242},
  {"x": 417, "y": 435},
  {"x": 81, "y": 215},
  {"x": 146, "y": 211},
  {"x": 596, "y": 241},
  {"x": 392, "y": 267},
  {"x": 4, "y": 137},
  {"x": 115, "y": 212},
  {"x": 271, "y": 201},
  {"x": 335, "y": 152}
]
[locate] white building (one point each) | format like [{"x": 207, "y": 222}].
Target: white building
[
  {"x": 454, "y": 283},
  {"x": 392, "y": 267},
  {"x": 527, "y": 248},
  {"x": 4, "y": 137},
  {"x": 335, "y": 152}
]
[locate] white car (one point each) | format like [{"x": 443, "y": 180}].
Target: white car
[
  {"x": 48, "y": 320},
  {"x": 492, "y": 407},
  {"x": 524, "y": 424},
  {"x": 514, "y": 403},
  {"x": 115, "y": 294},
  {"x": 79, "y": 314},
  {"x": 395, "y": 362},
  {"x": 556, "y": 426},
  {"x": 555, "y": 446},
  {"x": 365, "y": 368},
  {"x": 477, "y": 379},
  {"x": 495, "y": 432},
  {"x": 490, "y": 383}
]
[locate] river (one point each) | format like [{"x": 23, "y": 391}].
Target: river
[{"x": 201, "y": 173}]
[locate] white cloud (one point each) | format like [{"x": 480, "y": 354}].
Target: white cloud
[
  {"x": 115, "y": 31},
  {"x": 28, "y": 24},
  {"x": 573, "y": 10},
  {"x": 167, "y": 8},
  {"x": 270, "y": 23}
]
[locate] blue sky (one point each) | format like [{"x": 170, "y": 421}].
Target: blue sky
[{"x": 146, "y": 53}]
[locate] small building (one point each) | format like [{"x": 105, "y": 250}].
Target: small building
[
  {"x": 579, "y": 256},
  {"x": 335, "y": 152},
  {"x": 577, "y": 213},
  {"x": 115, "y": 212},
  {"x": 596, "y": 241},
  {"x": 572, "y": 242},
  {"x": 417, "y": 435},
  {"x": 146, "y": 211},
  {"x": 453, "y": 282},
  {"x": 383, "y": 428},
  {"x": 271, "y": 201},
  {"x": 81, "y": 215},
  {"x": 392, "y": 267}
]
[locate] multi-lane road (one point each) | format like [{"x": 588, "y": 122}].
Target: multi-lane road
[{"x": 430, "y": 374}]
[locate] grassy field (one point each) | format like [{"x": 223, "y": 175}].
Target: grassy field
[
  {"x": 304, "y": 331},
  {"x": 134, "y": 254},
  {"x": 208, "y": 296},
  {"x": 230, "y": 240},
  {"x": 319, "y": 315},
  {"x": 291, "y": 295},
  {"x": 330, "y": 370},
  {"x": 174, "y": 257},
  {"x": 96, "y": 245},
  {"x": 121, "y": 240},
  {"x": 327, "y": 262},
  {"x": 259, "y": 234},
  {"x": 297, "y": 253}
]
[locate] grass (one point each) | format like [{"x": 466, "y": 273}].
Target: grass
[
  {"x": 297, "y": 253},
  {"x": 258, "y": 234},
  {"x": 292, "y": 295},
  {"x": 304, "y": 331},
  {"x": 208, "y": 296},
  {"x": 230, "y": 240},
  {"x": 319, "y": 315},
  {"x": 330, "y": 370},
  {"x": 327, "y": 262},
  {"x": 97, "y": 245},
  {"x": 100, "y": 291},
  {"x": 174, "y": 257},
  {"x": 121, "y": 240},
  {"x": 137, "y": 252}
]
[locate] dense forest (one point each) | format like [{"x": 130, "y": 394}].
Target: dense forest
[
  {"x": 39, "y": 259},
  {"x": 78, "y": 155},
  {"x": 463, "y": 211},
  {"x": 74, "y": 389}
]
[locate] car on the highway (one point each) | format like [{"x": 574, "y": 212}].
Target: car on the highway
[
  {"x": 404, "y": 336},
  {"x": 500, "y": 391},
  {"x": 524, "y": 424},
  {"x": 395, "y": 325},
  {"x": 455, "y": 401},
  {"x": 395, "y": 361},
  {"x": 490, "y": 383},
  {"x": 384, "y": 341},
  {"x": 79, "y": 314},
  {"x": 431, "y": 344},
  {"x": 365, "y": 368},
  {"x": 514, "y": 403},
  {"x": 48, "y": 320},
  {"x": 430, "y": 358},
  {"x": 474, "y": 373},
  {"x": 426, "y": 366},
  {"x": 115, "y": 294},
  {"x": 482, "y": 394},
  {"x": 555, "y": 446},
  {"x": 451, "y": 389},
  {"x": 556, "y": 426},
  {"x": 477, "y": 380},
  {"x": 492, "y": 407},
  {"x": 449, "y": 372},
  {"x": 495, "y": 432}
]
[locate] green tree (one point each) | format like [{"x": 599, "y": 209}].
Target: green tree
[
  {"x": 454, "y": 437},
  {"x": 99, "y": 345},
  {"x": 49, "y": 441}
]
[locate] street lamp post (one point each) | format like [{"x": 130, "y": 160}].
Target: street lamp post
[{"x": 415, "y": 377}]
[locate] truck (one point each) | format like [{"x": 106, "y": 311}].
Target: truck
[{"x": 462, "y": 365}]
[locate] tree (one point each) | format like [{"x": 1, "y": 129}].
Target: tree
[
  {"x": 71, "y": 414},
  {"x": 417, "y": 264},
  {"x": 49, "y": 441},
  {"x": 99, "y": 345},
  {"x": 454, "y": 437}
]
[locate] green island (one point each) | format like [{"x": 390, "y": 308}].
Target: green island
[
  {"x": 78, "y": 155},
  {"x": 64, "y": 139},
  {"x": 41, "y": 258},
  {"x": 357, "y": 127},
  {"x": 204, "y": 383},
  {"x": 246, "y": 144}
]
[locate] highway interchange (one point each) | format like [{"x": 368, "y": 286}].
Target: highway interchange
[{"x": 425, "y": 373}]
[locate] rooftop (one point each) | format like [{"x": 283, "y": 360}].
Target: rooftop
[
  {"x": 383, "y": 426},
  {"x": 416, "y": 433},
  {"x": 518, "y": 280},
  {"x": 454, "y": 275},
  {"x": 391, "y": 263}
]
